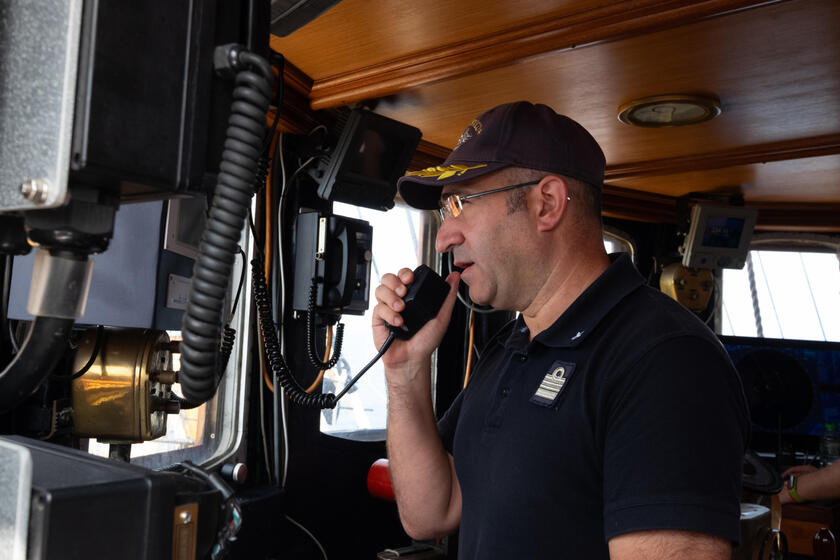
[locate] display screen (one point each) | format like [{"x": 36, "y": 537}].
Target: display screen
[
  {"x": 374, "y": 156},
  {"x": 723, "y": 232},
  {"x": 371, "y": 154},
  {"x": 775, "y": 373}
]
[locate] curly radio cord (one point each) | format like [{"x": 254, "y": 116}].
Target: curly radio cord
[
  {"x": 290, "y": 386},
  {"x": 262, "y": 300},
  {"x": 242, "y": 148},
  {"x": 310, "y": 333}
]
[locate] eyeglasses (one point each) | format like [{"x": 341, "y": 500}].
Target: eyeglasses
[{"x": 453, "y": 204}]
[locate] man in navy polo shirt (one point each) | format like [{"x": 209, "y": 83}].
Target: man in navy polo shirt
[{"x": 606, "y": 421}]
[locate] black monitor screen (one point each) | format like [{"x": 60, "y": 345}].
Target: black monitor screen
[
  {"x": 790, "y": 384},
  {"x": 723, "y": 231},
  {"x": 371, "y": 154}
]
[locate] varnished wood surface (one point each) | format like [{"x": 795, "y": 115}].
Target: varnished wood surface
[
  {"x": 776, "y": 82},
  {"x": 811, "y": 180},
  {"x": 774, "y": 67},
  {"x": 631, "y": 204},
  {"x": 800, "y": 522},
  {"x": 357, "y": 34},
  {"x": 555, "y": 34}
]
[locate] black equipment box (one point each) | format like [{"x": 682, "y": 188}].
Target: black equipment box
[
  {"x": 83, "y": 506},
  {"x": 335, "y": 251}
]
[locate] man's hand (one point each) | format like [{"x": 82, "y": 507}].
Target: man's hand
[
  {"x": 427, "y": 490},
  {"x": 799, "y": 470},
  {"x": 412, "y": 353}
]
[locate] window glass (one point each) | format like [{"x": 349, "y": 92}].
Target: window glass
[
  {"x": 188, "y": 428},
  {"x": 783, "y": 294},
  {"x": 361, "y": 412},
  {"x": 215, "y": 429}
]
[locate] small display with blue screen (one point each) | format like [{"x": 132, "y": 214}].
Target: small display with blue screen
[{"x": 723, "y": 231}]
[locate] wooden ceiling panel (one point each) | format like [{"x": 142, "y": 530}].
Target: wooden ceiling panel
[
  {"x": 809, "y": 180},
  {"x": 436, "y": 64},
  {"x": 775, "y": 70},
  {"x": 373, "y": 31}
]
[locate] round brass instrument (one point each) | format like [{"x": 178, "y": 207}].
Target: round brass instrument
[{"x": 125, "y": 394}]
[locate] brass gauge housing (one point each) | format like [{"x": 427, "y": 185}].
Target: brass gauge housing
[
  {"x": 692, "y": 287},
  {"x": 124, "y": 397}
]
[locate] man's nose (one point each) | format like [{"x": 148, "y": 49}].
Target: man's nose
[{"x": 449, "y": 235}]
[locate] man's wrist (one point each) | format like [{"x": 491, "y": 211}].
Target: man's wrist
[{"x": 794, "y": 494}]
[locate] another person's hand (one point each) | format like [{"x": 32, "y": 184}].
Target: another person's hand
[
  {"x": 799, "y": 469},
  {"x": 409, "y": 354}
]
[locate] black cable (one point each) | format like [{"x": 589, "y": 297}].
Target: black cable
[
  {"x": 258, "y": 243},
  {"x": 261, "y": 174},
  {"x": 274, "y": 356},
  {"x": 241, "y": 283},
  {"x": 464, "y": 299},
  {"x": 279, "y": 93},
  {"x": 384, "y": 348},
  {"x": 219, "y": 242},
  {"x": 225, "y": 351},
  {"x": 231, "y": 510},
  {"x": 40, "y": 352},
  {"x": 282, "y": 374},
  {"x": 93, "y": 355},
  {"x": 310, "y": 333},
  {"x": 300, "y": 169}
]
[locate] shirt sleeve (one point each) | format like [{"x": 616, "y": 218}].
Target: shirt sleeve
[
  {"x": 449, "y": 422},
  {"x": 676, "y": 428}
]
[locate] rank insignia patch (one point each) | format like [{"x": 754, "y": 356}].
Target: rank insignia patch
[{"x": 552, "y": 385}]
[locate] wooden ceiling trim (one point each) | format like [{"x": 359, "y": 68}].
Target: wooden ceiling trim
[
  {"x": 629, "y": 204},
  {"x": 296, "y": 79},
  {"x": 606, "y": 23},
  {"x": 760, "y": 153},
  {"x": 823, "y": 218},
  {"x": 636, "y": 205}
]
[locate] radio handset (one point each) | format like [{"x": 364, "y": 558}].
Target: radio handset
[{"x": 423, "y": 300}]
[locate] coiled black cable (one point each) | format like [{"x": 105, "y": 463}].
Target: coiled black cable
[
  {"x": 228, "y": 339},
  {"x": 226, "y": 349},
  {"x": 260, "y": 176},
  {"x": 310, "y": 333},
  {"x": 200, "y": 360},
  {"x": 292, "y": 388}
]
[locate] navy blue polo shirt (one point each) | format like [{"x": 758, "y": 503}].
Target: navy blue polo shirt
[{"x": 625, "y": 415}]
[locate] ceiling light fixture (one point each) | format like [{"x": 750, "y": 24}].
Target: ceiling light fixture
[{"x": 669, "y": 110}]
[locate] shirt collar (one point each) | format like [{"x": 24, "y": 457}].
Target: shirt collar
[{"x": 581, "y": 318}]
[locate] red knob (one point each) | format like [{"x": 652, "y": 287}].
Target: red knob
[{"x": 379, "y": 481}]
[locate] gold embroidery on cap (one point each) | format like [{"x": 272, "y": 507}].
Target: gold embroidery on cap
[
  {"x": 442, "y": 172},
  {"x": 466, "y": 135}
]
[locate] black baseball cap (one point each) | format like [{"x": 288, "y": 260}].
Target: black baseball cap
[{"x": 517, "y": 134}]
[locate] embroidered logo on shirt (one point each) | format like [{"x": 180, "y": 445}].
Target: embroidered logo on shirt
[
  {"x": 552, "y": 385},
  {"x": 577, "y": 336}
]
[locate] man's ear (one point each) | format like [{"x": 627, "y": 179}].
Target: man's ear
[{"x": 551, "y": 196}]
